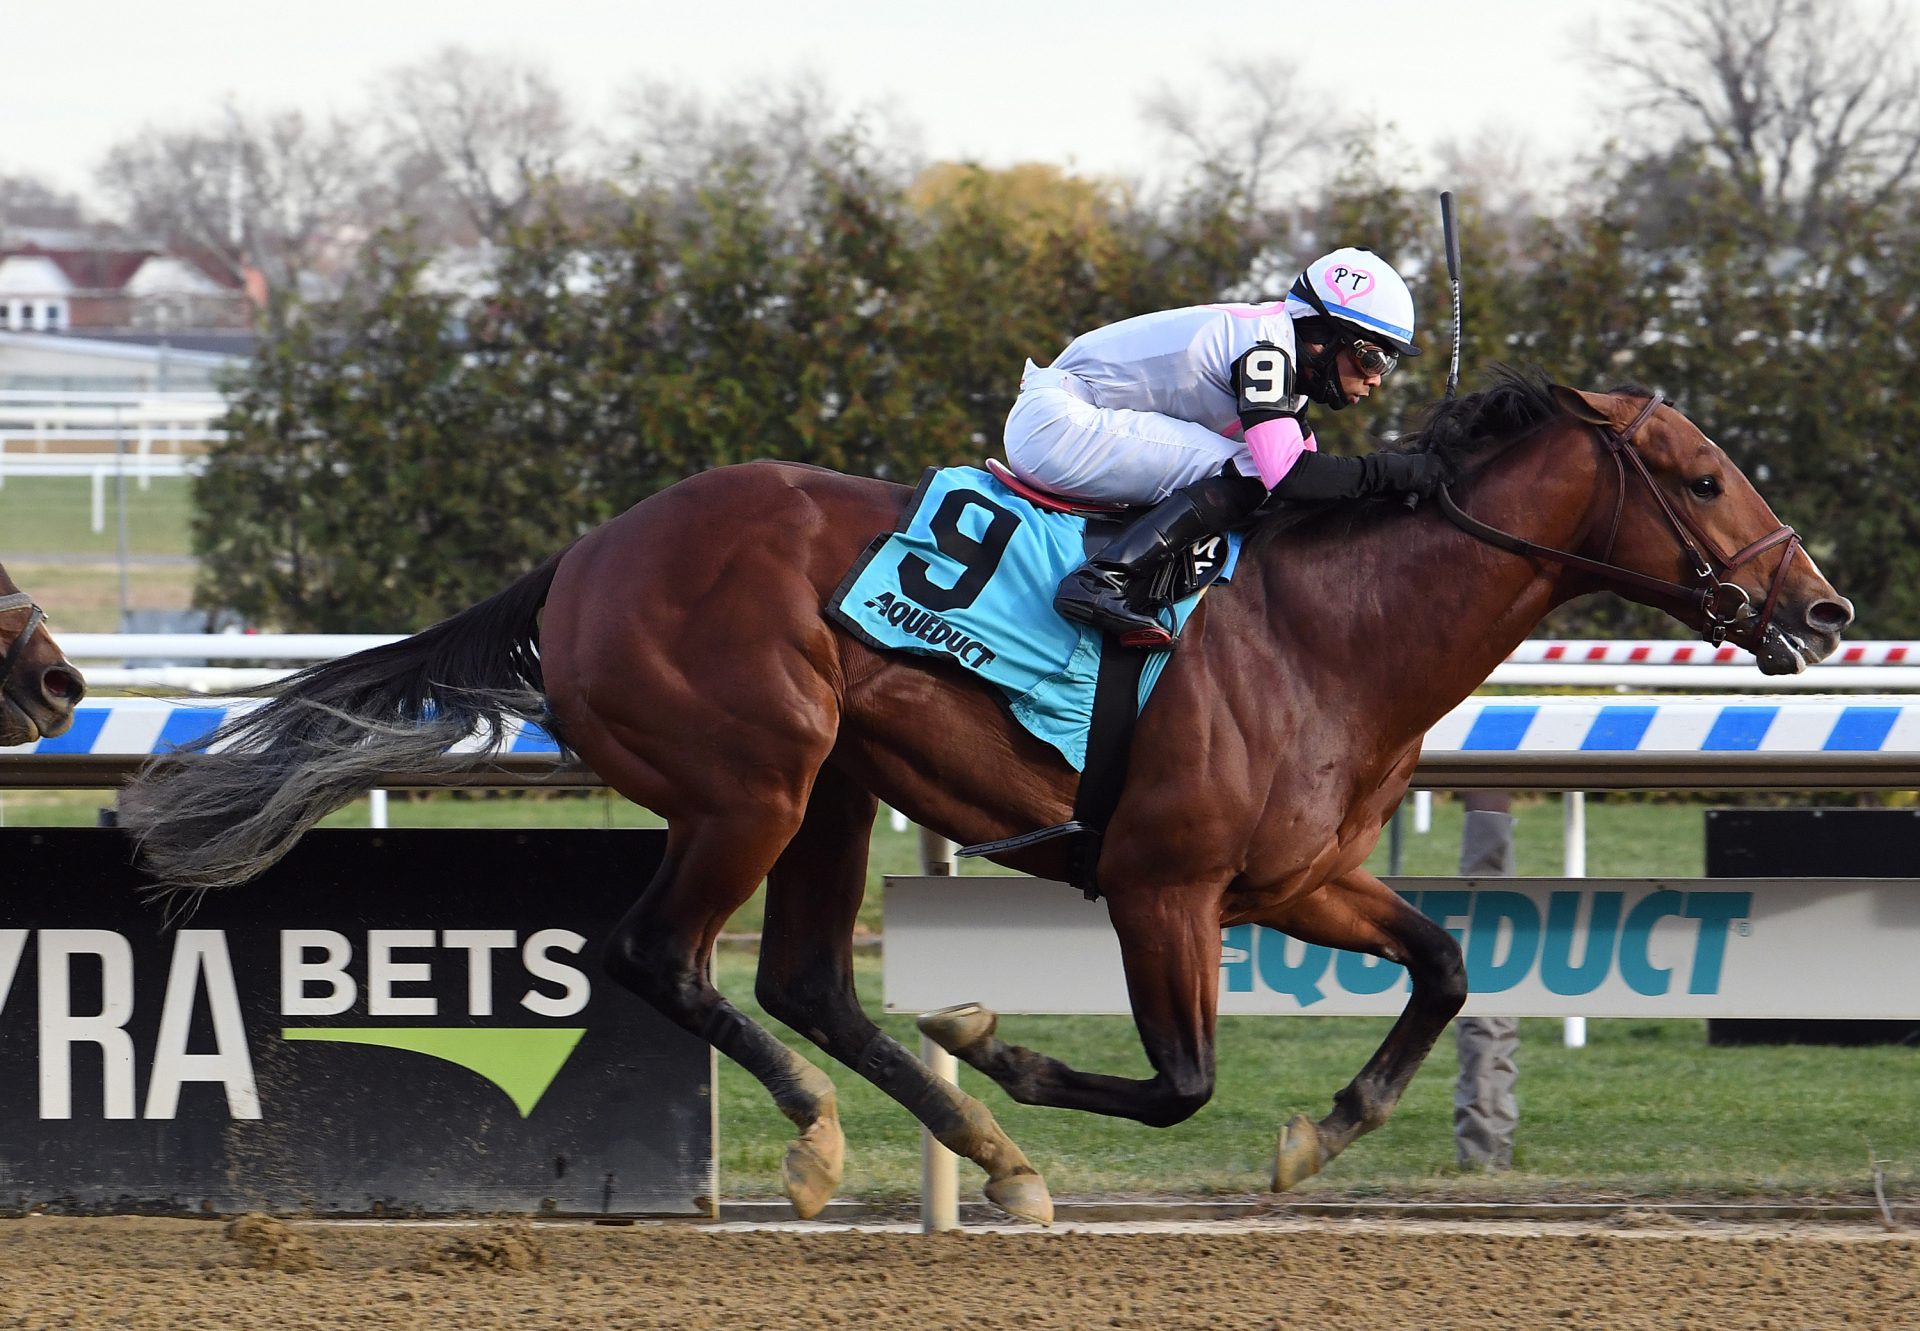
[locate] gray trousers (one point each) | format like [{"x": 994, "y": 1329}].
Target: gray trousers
[{"x": 1484, "y": 1110}]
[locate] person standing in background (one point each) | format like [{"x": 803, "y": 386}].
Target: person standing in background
[{"x": 1485, "y": 1110}]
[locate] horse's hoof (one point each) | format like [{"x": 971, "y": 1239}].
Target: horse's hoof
[
  {"x": 959, "y": 1027},
  {"x": 811, "y": 1172},
  {"x": 1023, "y": 1196},
  {"x": 1298, "y": 1156}
]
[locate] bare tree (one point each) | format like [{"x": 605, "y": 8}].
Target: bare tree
[
  {"x": 1253, "y": 132},
  {"x": 30, "y": 203},
  {"x": 479, "y": 136},
  {"x": 277, "y": 193},
  {"x": 666, "y": 136},
  {"x": 1498, "y": 170},
  {"x": 1806, "y": 102}
]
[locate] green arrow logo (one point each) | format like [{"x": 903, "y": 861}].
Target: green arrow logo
[{"x": 520, "y": 1060}]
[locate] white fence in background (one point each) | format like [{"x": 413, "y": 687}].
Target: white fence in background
[
  {"x": 53, "y": 411},
  {"x": 103, "y": 435}
]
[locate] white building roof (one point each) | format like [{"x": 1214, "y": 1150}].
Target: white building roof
[{"x": 32, "y": 275}]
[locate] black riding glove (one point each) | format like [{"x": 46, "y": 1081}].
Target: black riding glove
[
  {"x": 1316, "y": 476},
  {"x": 1403, "y": 473}
]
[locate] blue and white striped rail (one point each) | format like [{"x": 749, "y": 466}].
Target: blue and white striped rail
[
  {"x": 111, "y": 737},
  {"x": 1573, "y": 743},
  {"x": 1797, "y": 742}
]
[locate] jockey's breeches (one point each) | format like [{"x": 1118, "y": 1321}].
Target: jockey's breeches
[{"x": 1060, "y": 441}]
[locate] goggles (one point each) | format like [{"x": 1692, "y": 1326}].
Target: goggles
[{"x": 1372, "y": 359}]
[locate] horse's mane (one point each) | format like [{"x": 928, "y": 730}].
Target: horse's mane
[{"x": 1516, "y": 401}]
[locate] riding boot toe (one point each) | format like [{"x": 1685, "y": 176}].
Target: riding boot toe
[{"x": 1098, "y": 596}]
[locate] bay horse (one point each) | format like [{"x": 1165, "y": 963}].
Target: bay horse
[
  {"x": 39, "y": 687},
  {"x": 681, "y": 653}
]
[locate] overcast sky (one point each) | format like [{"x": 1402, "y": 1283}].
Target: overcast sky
[{"x": 985, "y": 80}]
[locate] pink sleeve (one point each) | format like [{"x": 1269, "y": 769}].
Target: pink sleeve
[{"x": 1276, "y": 445}]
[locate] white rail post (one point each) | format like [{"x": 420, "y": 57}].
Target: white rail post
[
  {"x": 939, "y": 1167},
  {"x": 99, "y": 499},
  {"x": 376, "y": 808},
  {"x": 936, "y": 855},
  {"x": 1573, "y": 1033}
]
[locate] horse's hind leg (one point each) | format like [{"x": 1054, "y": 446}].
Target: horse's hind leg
[
  {"x": 661, "y": 950},
  {"x": 806, "y": 980},
  {"x": 1170, "y": 947},
  {"x": 1359, "y": 913}
]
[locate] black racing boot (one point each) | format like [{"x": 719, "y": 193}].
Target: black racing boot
[{"x": 1106, "y": 590}]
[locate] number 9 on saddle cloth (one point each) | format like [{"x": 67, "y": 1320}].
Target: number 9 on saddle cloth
[{"x": 970, "y": 574}]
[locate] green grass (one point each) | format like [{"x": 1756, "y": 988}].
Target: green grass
[
  {"x": 44, "y": 514},
  {"x": 48, "y": 544},
  {"x": 1625, "y": 838},
  {"x": 1646, "y": 1111}
]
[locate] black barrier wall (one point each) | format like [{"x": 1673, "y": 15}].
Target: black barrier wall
[
  {"x": 408, "y": 1022},
  {"x": 1812, "y": 843}
]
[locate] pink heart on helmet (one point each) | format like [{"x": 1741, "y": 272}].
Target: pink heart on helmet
[{"x": 1345, "y": 282}]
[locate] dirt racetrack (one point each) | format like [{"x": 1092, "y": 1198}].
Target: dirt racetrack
[{"x": 1327, "y": 1275}]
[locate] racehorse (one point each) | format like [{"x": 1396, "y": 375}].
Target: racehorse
[
  {"x": 681, "y": 652},
  {"x": 39, "y": 687}
]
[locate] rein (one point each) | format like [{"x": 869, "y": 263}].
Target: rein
[
  {"x": 18, "y": 601},
  {"x": 1722, "y": 604}
]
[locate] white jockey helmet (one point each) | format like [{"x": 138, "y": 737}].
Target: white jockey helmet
[{"x": 1359, "y": 289}]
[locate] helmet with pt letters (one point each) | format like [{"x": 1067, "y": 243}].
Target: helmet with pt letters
[{"x": 1358, "y": 289}]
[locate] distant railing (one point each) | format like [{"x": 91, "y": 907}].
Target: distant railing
[
  {"x": 46, "y": 414},
  {"x": 149, "y": 434}
]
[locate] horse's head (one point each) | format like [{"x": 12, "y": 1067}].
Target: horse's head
[
  {"x": 38, "y": 685},
  {"x": 1701, "y": 542}
]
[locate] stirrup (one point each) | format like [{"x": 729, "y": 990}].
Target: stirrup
[{"x": 1128, "y": 632}]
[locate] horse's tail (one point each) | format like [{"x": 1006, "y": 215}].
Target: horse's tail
[{"x": 250, "y": 788}]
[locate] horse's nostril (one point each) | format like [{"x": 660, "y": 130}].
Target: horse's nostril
[
  {"x": 1830, "y": 616},
  {"x": 62, "y": 684}
]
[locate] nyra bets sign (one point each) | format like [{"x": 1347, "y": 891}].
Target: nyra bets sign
[
  {"x": 1533, "y": 947},
  {"x": 385, "y": 1022}
]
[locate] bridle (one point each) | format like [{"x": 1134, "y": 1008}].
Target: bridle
[
  {"x": 18, "y": 601},
  {"x": 1722, "y": 603}
]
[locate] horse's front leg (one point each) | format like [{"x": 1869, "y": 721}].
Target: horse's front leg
[
  {"x": 1359, "y": 913},
  {"x": 1170, "y": 944}
]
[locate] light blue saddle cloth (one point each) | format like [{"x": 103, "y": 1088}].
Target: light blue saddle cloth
[{"x": 970, "y": 575}]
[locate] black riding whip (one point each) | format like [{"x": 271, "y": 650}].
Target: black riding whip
[{"x": 1453, "y": 278}]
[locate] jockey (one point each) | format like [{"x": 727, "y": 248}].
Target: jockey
[{"x": 1202, "y": 412}]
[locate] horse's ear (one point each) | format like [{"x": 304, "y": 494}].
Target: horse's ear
[{"x": 1588, "y": 407}]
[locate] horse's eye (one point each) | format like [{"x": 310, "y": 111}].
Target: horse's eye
[{"x": 1706, "y": 487}]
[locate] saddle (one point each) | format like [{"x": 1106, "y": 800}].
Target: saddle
[{"x": 1176, "y": 579}]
